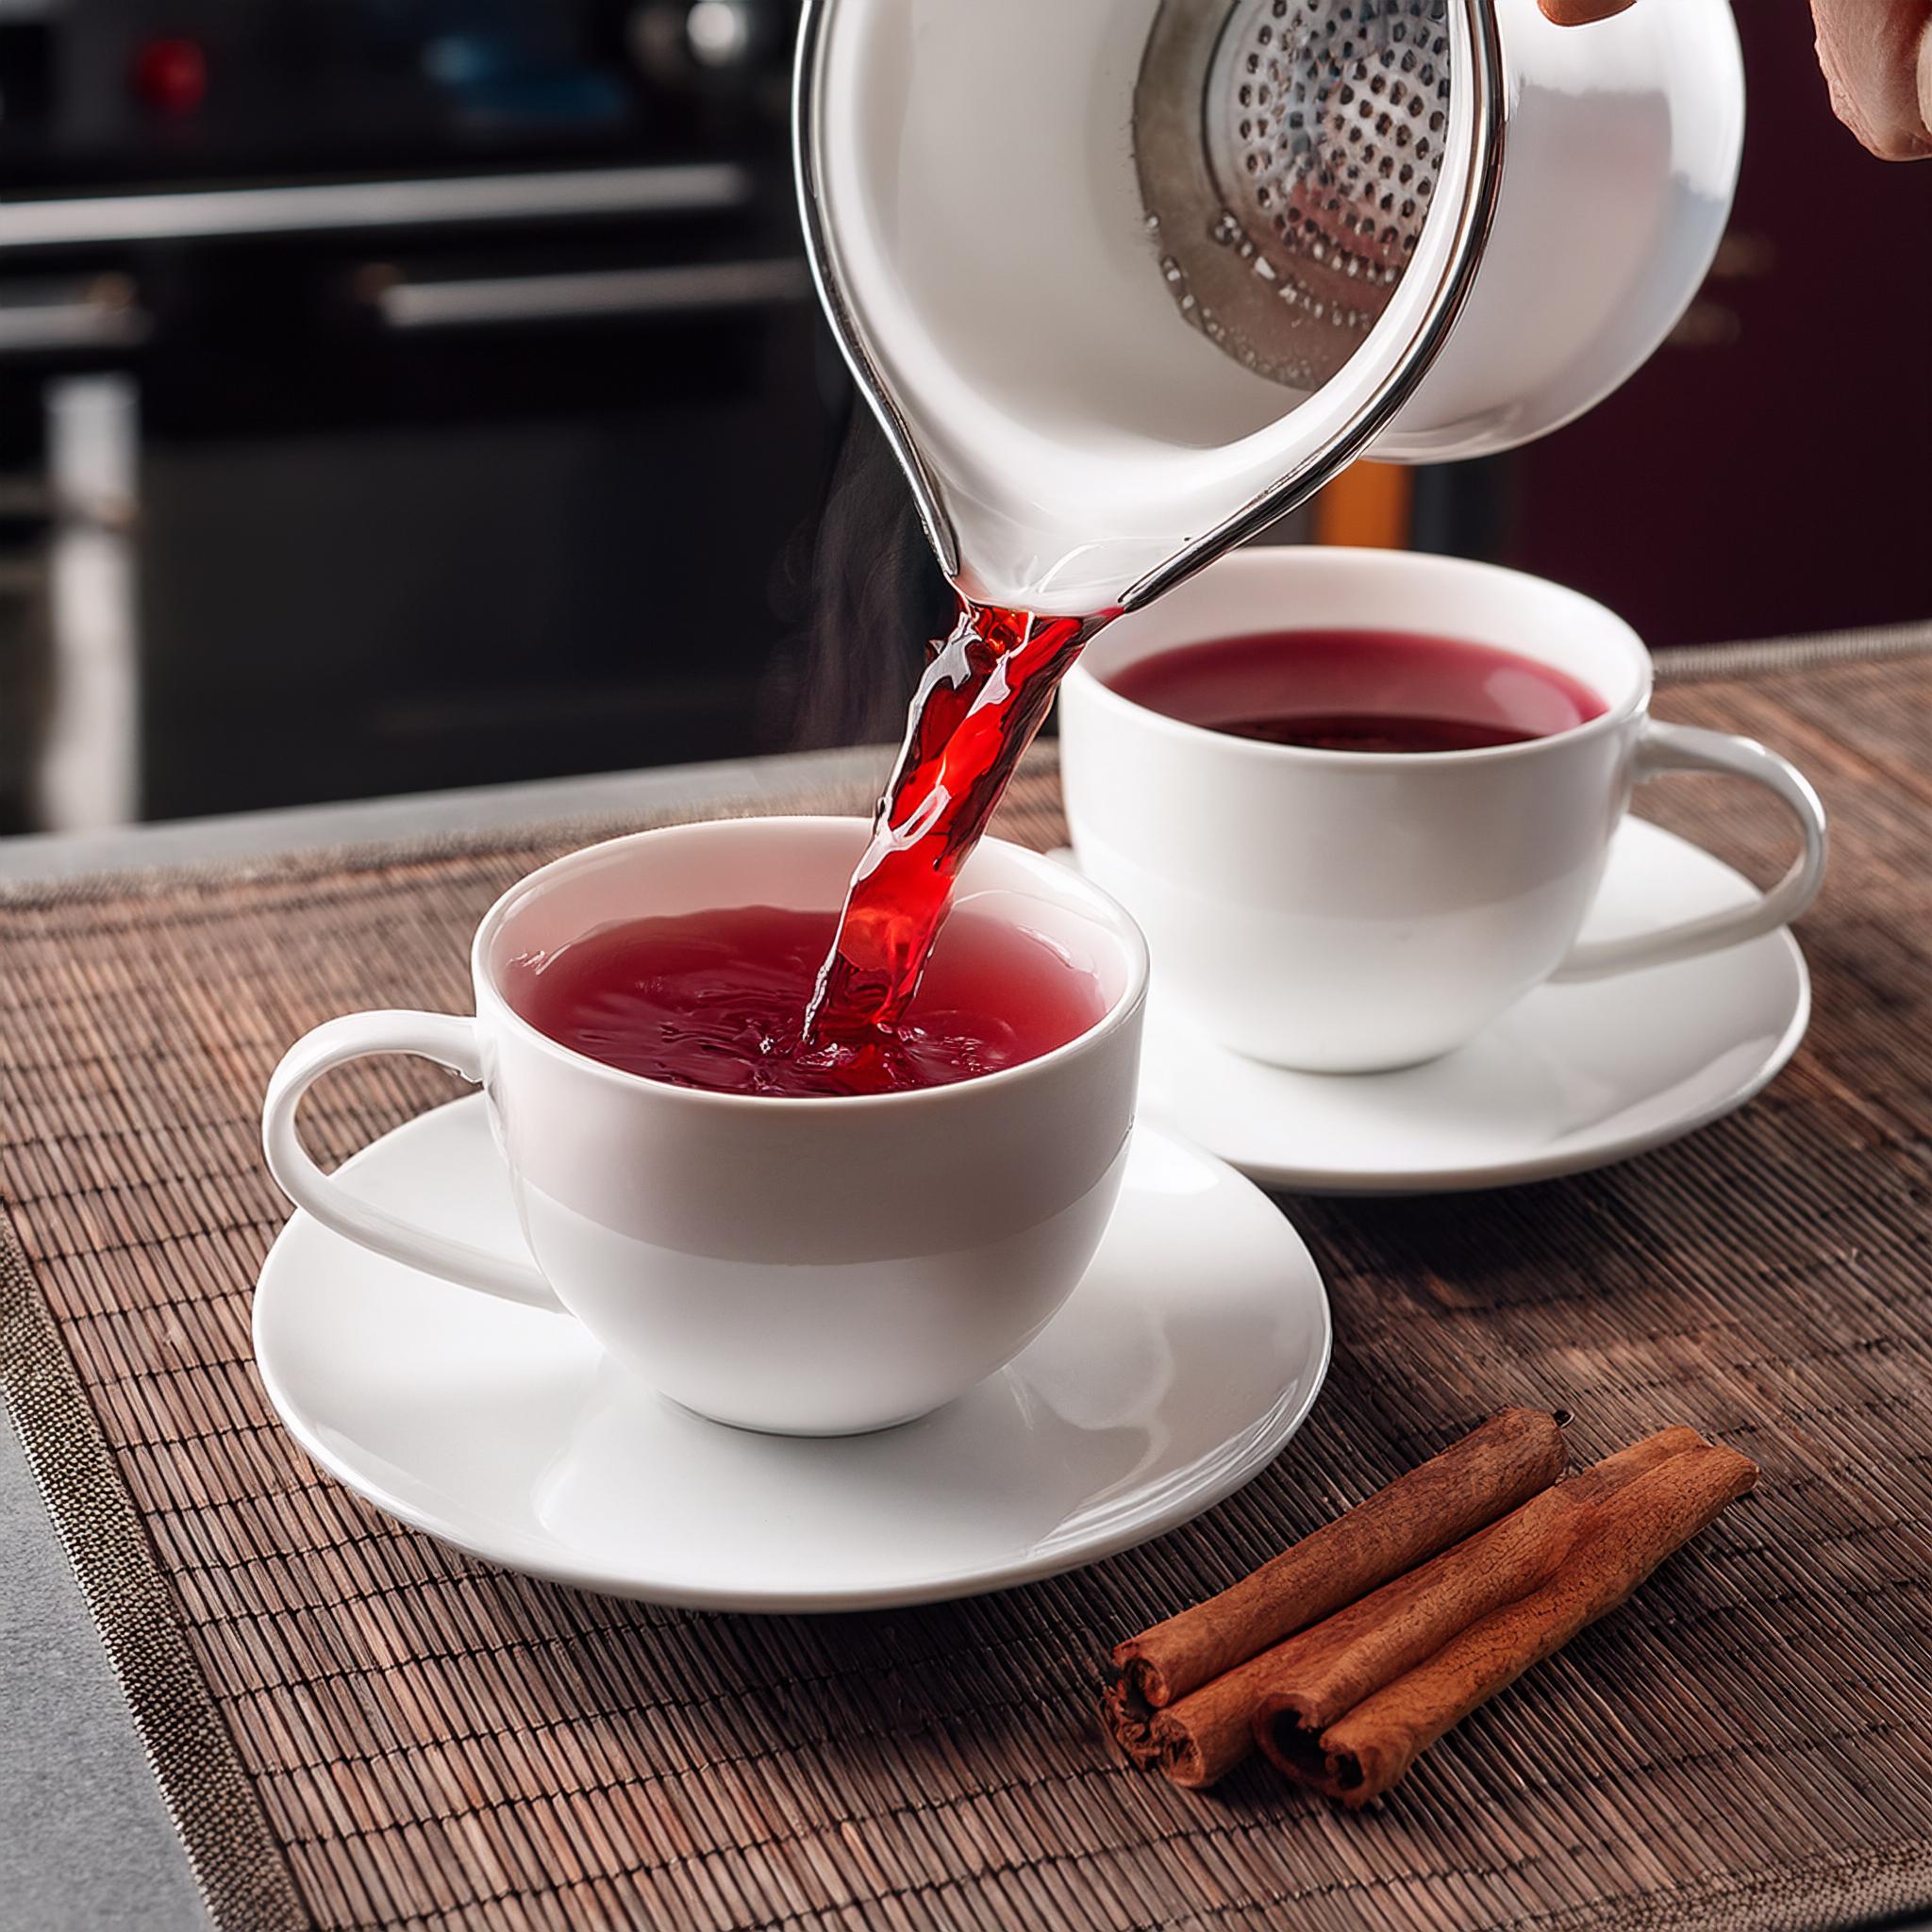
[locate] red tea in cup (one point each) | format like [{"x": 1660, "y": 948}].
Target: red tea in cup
[
  {"x": 1362, "y": 690},
  {"x": 717, "y": 1000}
]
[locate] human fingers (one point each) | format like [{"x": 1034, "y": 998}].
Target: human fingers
[{"x": 1877, "y": 61}]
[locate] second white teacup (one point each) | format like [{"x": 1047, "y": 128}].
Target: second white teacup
[{"x": 1347, "y": 911}]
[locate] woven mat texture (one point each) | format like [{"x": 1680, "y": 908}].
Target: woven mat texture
[{"x": 358, "y": 1727}]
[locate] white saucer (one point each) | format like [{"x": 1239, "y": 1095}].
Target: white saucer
[
  {"x": 1574, "y": 1078},
  {"x": 1190, "y": 1354}
]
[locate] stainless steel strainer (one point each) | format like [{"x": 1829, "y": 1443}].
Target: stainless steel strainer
[{"x": 1287, "y": 153}]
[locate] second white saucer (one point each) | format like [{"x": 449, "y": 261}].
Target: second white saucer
[
  {"x": 1190, "y": 1352},
  {"x": 1573, "y": 1077}
]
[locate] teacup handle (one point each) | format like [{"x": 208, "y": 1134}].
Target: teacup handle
[
  {"x": 1686, "y": 748},
  {"x": 450, "y": 1041}
]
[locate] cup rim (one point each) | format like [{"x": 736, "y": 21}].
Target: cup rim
[
  {"x": 1289, "y": 558},
  {"x": 1064, "y": 881}
]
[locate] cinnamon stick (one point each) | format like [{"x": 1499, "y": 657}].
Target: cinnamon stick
[
  {"x": 1316, "y": 1675},
  {"x": 1327, "y": 1671},
  {"x": 1129, "y": 1720},
  {"x": 1496, "y": 1466},
  {"x": 1627, "y": 1534}
]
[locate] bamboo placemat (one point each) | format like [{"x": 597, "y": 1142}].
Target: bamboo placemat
[{"x": 357, "y": 1727}]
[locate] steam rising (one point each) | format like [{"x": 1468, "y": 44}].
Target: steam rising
[{"x": 867, "y": 601}]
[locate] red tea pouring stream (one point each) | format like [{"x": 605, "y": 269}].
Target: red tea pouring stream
[{"x": 984, "y": 693}]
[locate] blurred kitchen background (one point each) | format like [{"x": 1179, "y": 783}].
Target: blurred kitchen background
[{"x": 399, "y": 394}]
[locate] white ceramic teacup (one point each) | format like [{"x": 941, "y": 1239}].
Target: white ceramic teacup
[
  {"x": 812, "y": 1266},
  {"x": 1351, "y": 911}
]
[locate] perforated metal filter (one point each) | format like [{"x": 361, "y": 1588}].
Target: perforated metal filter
[{"x": 1287, "y": 153}]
